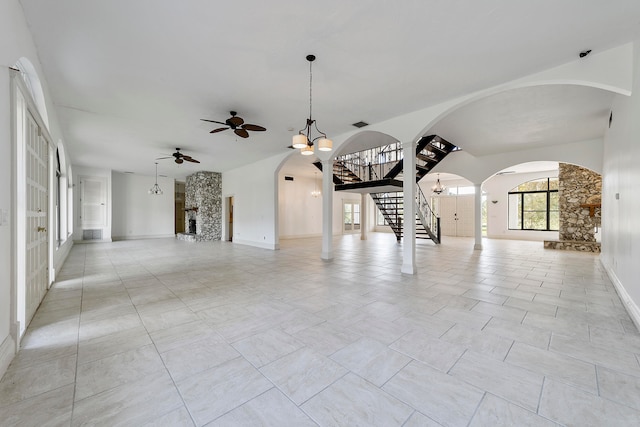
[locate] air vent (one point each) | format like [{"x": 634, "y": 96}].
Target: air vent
[{"x": 360, "y": 124}]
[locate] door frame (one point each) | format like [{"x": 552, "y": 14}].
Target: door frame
[
  {"x": 351, "y": 202},
  {"x": 22, "y": 102}
]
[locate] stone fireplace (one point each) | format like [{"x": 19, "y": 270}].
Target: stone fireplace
[
  {"x": 579, "y": 194},
  {"x": 203, "y": 205}
]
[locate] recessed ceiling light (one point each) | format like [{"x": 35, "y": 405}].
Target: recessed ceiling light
[
  {"x": 127, "y": 172},
  {"x": 360, "y": 124}
]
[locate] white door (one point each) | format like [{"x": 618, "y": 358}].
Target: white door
[
  {"x": 93, "y": 202},
  {"x": 456, "y": 215},
  {"x": 37, "y": 201},
  {"x": 351, "y": 217},
  {"x": 465, "y": 208}
]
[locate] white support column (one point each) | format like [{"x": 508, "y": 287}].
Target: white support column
[
  {"x": 409, "y": 208},
  {"x": 478, "y": 217},
  {"x": 327, "y": 210},
  {"x": 364, "y": 220}
]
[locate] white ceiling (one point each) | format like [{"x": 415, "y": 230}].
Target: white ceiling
[{"x": 131, "y": 80}]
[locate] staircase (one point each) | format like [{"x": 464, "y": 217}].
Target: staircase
[
  {"x": 391, "y": 206},
  {"x": 380, "y": 169}
]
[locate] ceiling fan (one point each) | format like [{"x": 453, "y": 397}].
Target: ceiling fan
[
  {"x": 179, "y": 157},
  {"x": 237, "y": 124}
]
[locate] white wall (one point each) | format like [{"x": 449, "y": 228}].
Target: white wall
[
  {"x": 477, "y": 169},
  {"x": 15, "y": 43},
  {"x": 299, "y": 213},
  {"x": 621, "y": 197},
  {"x": 255, "y": 198},
  {"x": 137, "y": 214}
]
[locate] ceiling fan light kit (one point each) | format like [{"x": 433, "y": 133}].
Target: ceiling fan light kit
[{"x": 303, "y": 139}]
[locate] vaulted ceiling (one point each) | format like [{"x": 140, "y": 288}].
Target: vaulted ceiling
[{"x": 131, "y": 79}]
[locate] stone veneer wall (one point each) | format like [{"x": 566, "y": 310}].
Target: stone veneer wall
[
  {"x": 577, "y": 186},
  {"x": 203, "y": 191}
]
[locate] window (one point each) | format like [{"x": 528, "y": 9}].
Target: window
[
  {"x": 533, "y": 205},
  {"x": 58, "y": 190}
]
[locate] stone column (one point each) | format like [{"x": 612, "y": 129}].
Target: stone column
[
  {"x": 203, "y": 191},
  {"x": 576, "y": 186}
]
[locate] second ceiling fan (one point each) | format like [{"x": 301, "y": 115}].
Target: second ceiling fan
[{"x": 238, "y": 125}]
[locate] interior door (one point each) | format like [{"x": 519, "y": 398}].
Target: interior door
[
  {"x": 351, "y": 216},
  {"x": 448, "y": 215},
  {"x": 465, "y": 207},
  {"x": 37, "y": 202},
  {"x": 93, "y": 202},
  {"x": 456, "y": 215}
]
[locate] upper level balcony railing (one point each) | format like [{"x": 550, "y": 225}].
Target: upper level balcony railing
[{"x": 372, "y": 164}]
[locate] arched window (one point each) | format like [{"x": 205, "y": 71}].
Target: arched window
[{"x": 533, "y": 205}]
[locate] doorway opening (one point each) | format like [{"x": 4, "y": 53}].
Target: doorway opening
[
  {"x": 229, "y": 218},
  {"x": 351, "y": 216},
  {"x": 180, "y": 212}
]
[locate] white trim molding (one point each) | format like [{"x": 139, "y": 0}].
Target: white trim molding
[
  {"x": 629, "y": 305},
  {"x": 7, "y": 353}
]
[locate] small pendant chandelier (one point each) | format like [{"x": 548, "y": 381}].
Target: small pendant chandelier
[
  {"x": 315, "y": 193},
  {"x": 438, "y": 188},
  {"x": 303, "y": 139},
  {"x": 156, "y": 190}
]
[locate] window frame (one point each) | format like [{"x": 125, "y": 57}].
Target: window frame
[{"x": 521, "y": 196}]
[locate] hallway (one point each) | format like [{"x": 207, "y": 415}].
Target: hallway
[{"x": 170, "y": 333}]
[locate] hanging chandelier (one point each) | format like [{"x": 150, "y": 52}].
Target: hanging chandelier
[
  {"x": 303, "y": 139},
  {"x": 315, "y": 192},
  {"x": 156, "y": 190},
  {"x": 438, "y": 188}
]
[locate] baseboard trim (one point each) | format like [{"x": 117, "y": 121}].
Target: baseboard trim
[
  {"x": 143, "y": 237},
  {"x": 271, "y": 246},
  {"x": 7, "y": 353},
  {"x": 631, "y": 307}
]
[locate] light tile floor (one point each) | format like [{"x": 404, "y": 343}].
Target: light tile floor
[{"x": 170, "y": 333}]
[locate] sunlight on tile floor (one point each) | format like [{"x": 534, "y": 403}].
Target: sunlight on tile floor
[{"x": 170, "y": 333}]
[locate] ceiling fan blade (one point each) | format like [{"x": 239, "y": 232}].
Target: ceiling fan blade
[
  {"x": 162, "y": 158},
  {"x": 213, "y": 121},
  {"x": 235, "y": 120},
  {"x": 253, "y": 127},
  {"x": 218, "y": 130},
  {"x": 191, "y": 160},
  {"x": 242, "y": 133},
  {"x": 179, "y": 161}
]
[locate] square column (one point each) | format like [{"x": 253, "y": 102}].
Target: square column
[
  {"x": 327, "y": 210},
  {"x": 477, "y": 213},
  {"x": 409, "y": 208}
]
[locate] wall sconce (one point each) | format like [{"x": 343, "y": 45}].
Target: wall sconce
[{"x": 494, "y": 201}]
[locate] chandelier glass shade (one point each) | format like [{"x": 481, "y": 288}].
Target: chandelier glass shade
[
  {"x": 156, "y": 190},
  {"x": 438, "y": 188},
  {"x": 315, "y": 192},
  {"x": 303, "y": 140}
]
